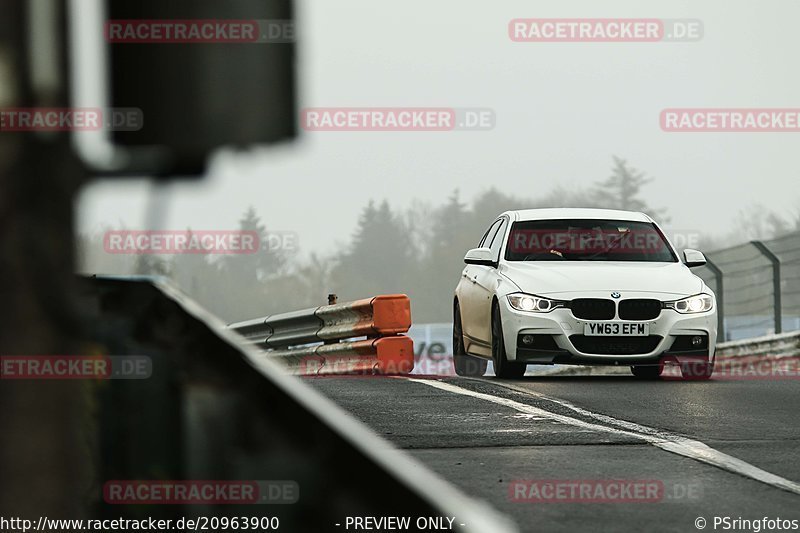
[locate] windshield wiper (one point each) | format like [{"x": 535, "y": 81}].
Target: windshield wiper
[{"x": 607, "y": 249}]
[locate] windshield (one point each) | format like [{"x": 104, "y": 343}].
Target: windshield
[{"x": 587, "y": 240}]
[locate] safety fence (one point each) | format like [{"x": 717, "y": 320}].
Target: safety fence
[
  {"x": 322, "y": 340},
  {"x": 757, "y": 286}
]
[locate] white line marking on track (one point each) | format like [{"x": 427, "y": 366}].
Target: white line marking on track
[{"x": 664, "y": 440}]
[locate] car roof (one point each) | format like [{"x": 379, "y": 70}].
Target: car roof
[{"x": 556, "y": 213}]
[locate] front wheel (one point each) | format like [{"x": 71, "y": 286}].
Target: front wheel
[
  {"x": 503, "y": 368},
  {"x": 647, "y": 371},
  {"x": 697, "y": 371},
  {"x": 465, "y": 365}
]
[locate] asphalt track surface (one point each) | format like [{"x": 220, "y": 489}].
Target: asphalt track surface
[{"x": 713, "y": 449}]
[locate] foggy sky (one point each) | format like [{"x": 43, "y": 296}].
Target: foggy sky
[{"x": 562, "y": 110}]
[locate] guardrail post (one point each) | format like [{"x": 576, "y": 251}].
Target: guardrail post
[
  {"x": 720, "y": 299},
  {"x": 332, "y": 300},
  {"x": 776, "y": 281}
]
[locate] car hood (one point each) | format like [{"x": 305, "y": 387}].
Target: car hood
[{"x": 561, "y": 278}]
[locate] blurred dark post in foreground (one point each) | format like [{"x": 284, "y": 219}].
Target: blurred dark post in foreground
[
  {"x": 210, "y": 409},
  {"x": 43, "y": 459}
]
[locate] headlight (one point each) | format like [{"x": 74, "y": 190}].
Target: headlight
[
  {"x": 699, "y": 303},
  {"x": 535, "y": 304}
]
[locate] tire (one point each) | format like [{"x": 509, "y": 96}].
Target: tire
[
  {"x": 647, "y": 371},
  {"x": 466, "y": 365},
  {"x": 503, "y": 368},
  {"x": 697, "y": 371}
]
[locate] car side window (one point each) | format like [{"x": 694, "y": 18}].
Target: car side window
[
  {"x": 489, "y": 235},
  {"x": 497, "y": 241}
]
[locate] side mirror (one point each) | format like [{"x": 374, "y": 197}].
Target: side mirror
[
  {"x": 693, "y": 258},
  {"x": 480, "y": 256}
]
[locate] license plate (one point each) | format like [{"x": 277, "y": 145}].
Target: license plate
[{"x": 623, "y": 329}]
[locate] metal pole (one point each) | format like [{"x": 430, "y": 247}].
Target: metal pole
[
  {"x": 776, "y": 282},
  {"x": 720, "y": 299}
]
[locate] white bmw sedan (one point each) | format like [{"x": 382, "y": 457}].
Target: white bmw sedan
[{"x": 582, "y": 286}]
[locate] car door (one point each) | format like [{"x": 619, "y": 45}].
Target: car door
[
  {"x": 486, "y": 281},
  {"x": 470, "y": 298}
]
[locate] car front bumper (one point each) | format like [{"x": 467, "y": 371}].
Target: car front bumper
[{"x": 567, "y": 336}]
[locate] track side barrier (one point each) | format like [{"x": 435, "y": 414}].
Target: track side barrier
[
  {"x": 776, "y": 355},
  {"x": 382, "y": 319},
  {"x": 774, "y": 346}
]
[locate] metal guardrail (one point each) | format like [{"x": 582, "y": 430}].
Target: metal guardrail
[
  {"x": 767, "y": 347},
  {"x": 289, "y": 337},
  {"x": 757, "y": 286}
]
